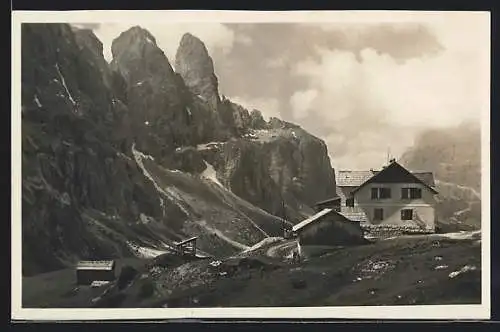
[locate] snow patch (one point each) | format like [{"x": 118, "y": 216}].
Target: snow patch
[
  {"x": 145, "y": 252},
  {"x": 37, "y": 102},
  {"x": 188, "y": 110},
  {"x": 462, "y": 235},
  {"x": 209, "y": 145},
  {"x": 441, "y": 267},
  {"x": 140, "y": 154},
  {"x": 64, "y": 85},
  {"x": 145, "y": 219},
  {"x": 211, "y": 174},
  {"x": 168, "y": 192},
  {"x": 466, "y": 268},
  {"x": 146, "y": 123},
  {"x": 149, "y": 40},
  {"x": 264, "y": 242},
  {"x": 201, "y": 97},
  {"x": 215, "y": 263},
  {"x": 139, "y": 83},
  {"x": 98, "y": 283}
]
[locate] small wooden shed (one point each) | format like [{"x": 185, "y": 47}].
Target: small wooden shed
[
  {"x": 90, "y": 271},
  {"x": 325, "y": 230},
  {"x": 187, "y": 246}
]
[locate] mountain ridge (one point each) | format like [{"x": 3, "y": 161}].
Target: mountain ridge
[
  {"x": 454, "y": 156},
  {"x": 117, "y": 157}
]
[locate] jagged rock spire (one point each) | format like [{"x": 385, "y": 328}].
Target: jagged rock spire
[{"x": 196, "y": 67}]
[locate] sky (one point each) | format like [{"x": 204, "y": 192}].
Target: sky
[{"x": 366, "y": 88}]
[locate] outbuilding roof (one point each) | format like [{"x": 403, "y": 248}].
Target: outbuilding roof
[
  {"x": 311, "y": 219},
  {"x": 334, "y": 199},
  {"x": 186, "y": 240},
  {"x": 95, "y": 265}
]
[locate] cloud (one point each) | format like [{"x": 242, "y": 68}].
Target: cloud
[
  {"x": 86, "y": 25},
  {"x": 373, "y": 101},
  {"x": 267, "y": 106},
  {"x": 216, "y": 37},
  {"x": 276, "y": 62},
  {"x": 302, "y": 101},
  {"x": 244, "y": 39}
]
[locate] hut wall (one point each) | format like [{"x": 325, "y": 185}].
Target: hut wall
[
  {"x": 86, "y": 277},
  {"x": 330, "y": 231}
]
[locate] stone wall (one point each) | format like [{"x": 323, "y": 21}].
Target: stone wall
[{"x": 386, "y": 231}]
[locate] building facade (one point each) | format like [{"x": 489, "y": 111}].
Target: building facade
[{"x": 393, "y": 199}]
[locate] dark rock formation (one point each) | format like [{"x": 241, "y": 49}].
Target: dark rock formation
[{"x": 117, "y": 157}]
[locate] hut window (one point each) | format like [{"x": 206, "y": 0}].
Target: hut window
[
  {"x": 378, "y": 214},
  {"x": 411, "y": 193},
  {"x": 415, "y": 193},
  {"x": 381, "y": 193},
  {"x": 385, "y": 193},
  {"x": 407, "y": 214},
  {"x": 349, "y": 202}
]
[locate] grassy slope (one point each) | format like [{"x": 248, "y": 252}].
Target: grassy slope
[
  {"x": 408, "y": 278},
  {"x": 392, "y": 272},
  {"x": 59, "y": 288}
]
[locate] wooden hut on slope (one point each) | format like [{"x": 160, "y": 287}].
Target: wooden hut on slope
[{"x": 325, "y": 230}]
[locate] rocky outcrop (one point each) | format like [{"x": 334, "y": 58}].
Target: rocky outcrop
[
  {"x": 272, "y": 168},
  {"x": 123, "y": 159},
  {"x": 257, "y": 120}
]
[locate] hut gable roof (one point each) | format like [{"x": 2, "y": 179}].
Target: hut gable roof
[
  {"x": 395, "y": 173},
  {"x": 346, "y": 178},
  {"x": 95, "y": 265}
]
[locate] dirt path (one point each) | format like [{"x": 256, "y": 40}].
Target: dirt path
[{"x": 281, "y": 249}]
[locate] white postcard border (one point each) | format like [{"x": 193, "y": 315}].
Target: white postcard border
[{"x": 439, "y": 312}]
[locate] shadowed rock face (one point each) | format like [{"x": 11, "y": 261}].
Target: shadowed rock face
[
  {"x": 113, "y": 154},
  {"x": 69, "y": 151},
  {"x": 454, "y": 155}
]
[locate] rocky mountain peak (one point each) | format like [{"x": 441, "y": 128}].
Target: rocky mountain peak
[
  {"x": 137, "y": 56},
  {"x": 195, "y": 65},
  {"x": 88, "y": 38},
  {"x": 133, "y": 35}
]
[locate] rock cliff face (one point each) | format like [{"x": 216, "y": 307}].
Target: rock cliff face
[
  {"x": 454, "y": 155},
  {"x": 124, "y": 159}
]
